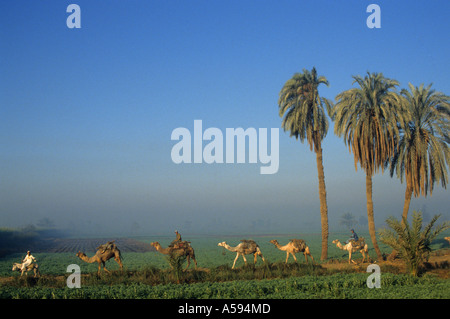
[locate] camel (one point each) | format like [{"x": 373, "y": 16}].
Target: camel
[
  {"x": 362, "y": 248},
  {"x": 102, "y": 256},
  {"x": 33, "y": 266},
  {"x": 246, "y": 247},
  {"x": 447, "y": 239},
  {"x": 182, "y": 248},
  {"x": 294, "y": 246}
]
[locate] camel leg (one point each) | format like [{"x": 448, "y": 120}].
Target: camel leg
[
  {"x": 237, "y": 256},
  {"x": 245, "y": 259},
  {"x": 117, "y": 259},
  {"x": 287, "y": 257},
  {"x": 188, "y": 258},
  {"x": 256, "y": 256},
  {"x": 104, "y": 268},
  {"x": 195, "y": 262},
  {"x": 308, "y": 253}
]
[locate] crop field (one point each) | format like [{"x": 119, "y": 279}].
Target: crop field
[{"x": 147, "y": 274}]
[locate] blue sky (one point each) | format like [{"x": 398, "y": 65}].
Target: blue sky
[{"x": 86, "y": 114}]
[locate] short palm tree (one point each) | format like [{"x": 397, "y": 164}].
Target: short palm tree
[
  {"x": 305, "y": 118},
  {"x": 423, "y": 153},
  {"x": 412, "y": 242},
  {"x": 367, "y": 117}
]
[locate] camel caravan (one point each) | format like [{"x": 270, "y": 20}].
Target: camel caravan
[{"x": 180, "y": 248}]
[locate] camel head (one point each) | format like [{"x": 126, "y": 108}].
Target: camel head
[
  {"x": 155, "y": 244},
  {"x": 222, "y": 244},
  {"x": 80, "y": 254},
  {"x": 335, "y": 241},
  {"x": 15, "y": 267},
  {"x": 274, "y": 241}
]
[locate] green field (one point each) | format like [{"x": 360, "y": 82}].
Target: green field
[{"x": 148, "y": 275}]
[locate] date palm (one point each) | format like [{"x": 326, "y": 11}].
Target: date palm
[
  {"x": 305, "y": 118},
  {"x": 423, "y": 154},
  {"x": 367, "y": 118},
  {"x": 412, "y": 241}
]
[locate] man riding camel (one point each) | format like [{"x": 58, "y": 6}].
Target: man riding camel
[
  {"x": 353, "y": 237},
  {"x": 29, "y": 258},
  {"x": 178, "y": 242}
]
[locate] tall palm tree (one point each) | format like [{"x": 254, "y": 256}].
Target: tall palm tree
[
  {"x": 423, "y": 153},
  {"x": 304, "y": 116},
  {"x": 367, "y": 118}
]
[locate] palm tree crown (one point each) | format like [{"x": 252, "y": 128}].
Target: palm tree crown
[
  {"x": 367, "y": 117},
  {"x": 303, "y": 108},
  {"x": 423, "y": 153}
]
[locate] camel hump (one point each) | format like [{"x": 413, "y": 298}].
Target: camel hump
[
  {"x": 299, "y": 244},
  {"x": 249, "y": 244},
  {"x": 108, "y": 246},
  {"x": 179, "y": 244},
  {"x": 359, "y": 243}
]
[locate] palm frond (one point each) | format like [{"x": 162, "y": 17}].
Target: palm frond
[{"x": 412, "y": 242}]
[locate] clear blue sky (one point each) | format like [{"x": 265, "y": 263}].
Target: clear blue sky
[{"x": 86, "y": 114}]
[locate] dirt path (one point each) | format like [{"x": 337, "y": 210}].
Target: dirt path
[{"x": 438, "y": 264}]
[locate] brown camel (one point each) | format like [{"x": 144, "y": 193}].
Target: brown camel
[
  {"x": 293, "y": 247},
  {"x": 246, "y": 247},
  {"x": 350, "y": 247},
  {"x": 181, "y": 249},
  {"x": 102, "y": 256},
  {"x": 33, "y": 266}
]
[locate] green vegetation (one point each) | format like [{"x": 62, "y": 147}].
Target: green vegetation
[
  {"x": 413, "y": 243},
  {"x": 308, "y": 286},
  {"x": 149, "y": 275}
]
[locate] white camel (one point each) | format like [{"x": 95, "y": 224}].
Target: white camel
[
  {"x": 362, "y": 248},
  {"x": 246, "y": 247}
]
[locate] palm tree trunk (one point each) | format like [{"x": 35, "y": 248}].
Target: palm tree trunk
[
  {"x": 370, "y": 215},
  {"x": 408, "y": 195},
  {"x": 323, "y": 203}
]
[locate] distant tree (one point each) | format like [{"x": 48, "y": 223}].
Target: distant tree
[
  {"x": 362, "y": 220},
  {"x": 348, "y": 220},
  {"x": 45, "y": 223}
]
